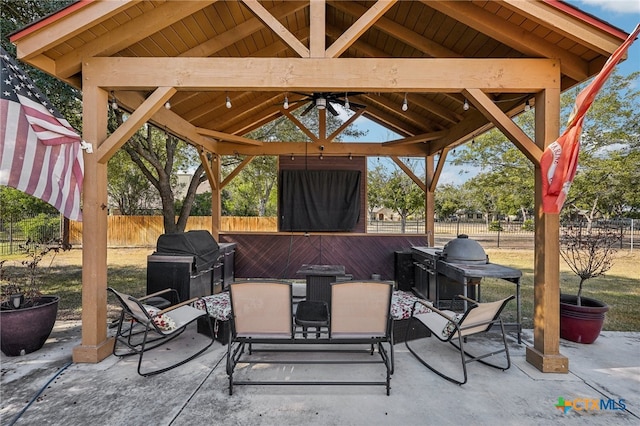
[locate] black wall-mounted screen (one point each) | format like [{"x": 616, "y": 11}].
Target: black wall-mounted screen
[{"x": 319, "y": 200}]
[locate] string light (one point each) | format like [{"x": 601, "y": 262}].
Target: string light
[
  {"x": 527, "y": 105},
  {"x": 405, "y": 104},
  {"x": 286, "y": 102},
  {"x": 228, "y": 103},
  {"x": 114, "y": 101},
  {"x": 292, "y": 157},
  {"x": 465, "y": 106},
  {"x": 167, "y": 105},
  {"x": 347, "y": 105},
  {"x": 350, "y": 156},
  {"x": 321, "y": 157}
]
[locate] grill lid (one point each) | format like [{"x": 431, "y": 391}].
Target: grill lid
[
  {"x": 464, "y": 250},
  {"x": 198, "y": 243}
]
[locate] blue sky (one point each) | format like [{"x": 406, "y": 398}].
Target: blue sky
[{"x": 623, "y": 14}]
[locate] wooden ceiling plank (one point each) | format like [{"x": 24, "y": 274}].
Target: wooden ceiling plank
[
  {"x": 409, "y": 172},
  {"x": 511, "y": 35},
  {"x": 508, "y": 127},
  {"x": 57, "y": 32},
  {"x": 430, "y": 75},
  {"x": 280, "y": 30},
  {"x": 317, "y": 22},
  {"x": 363, "y": 23},
  {"x": 228, "y": 137},
  {"x": 127, "y": 34},
  {"x": 578, "y": 31},
  {"x": 122, "y": 134},
  {"x": 242, "y": 30},
  {"x": 395, "y": 30}
]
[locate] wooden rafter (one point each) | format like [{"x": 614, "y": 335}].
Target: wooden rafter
[
  {"x": 438, "y": 170},
  {"x": 280, "y": 30},
  {"x": 206, "y": 163},
  {"x": 346, "y": 124},
  {"x": 409, "y": 172},
  {"x": 363, "y": 23},
  {"x": 118, "y": 138},
  {"x": 505, "y": 124},
  {"x": 425, "y": 137},
  {"x": 317, "y": 23},
  {"x": 228, "y": 138}
]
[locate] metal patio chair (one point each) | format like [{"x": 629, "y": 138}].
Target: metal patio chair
[
  {"x": 142, "y": 327},
  {"x": 447, "y": 326}
]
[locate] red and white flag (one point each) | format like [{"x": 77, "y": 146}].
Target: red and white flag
[
  {"x": 559, "y": 161},
  {"x": 40, "y": 153}
]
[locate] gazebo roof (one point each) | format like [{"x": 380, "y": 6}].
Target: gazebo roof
[{"x": 360, "y": 30}]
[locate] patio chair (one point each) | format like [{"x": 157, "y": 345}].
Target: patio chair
[
  {"x": 447, "y": 326},
  {"x": 142, "y": 327}
]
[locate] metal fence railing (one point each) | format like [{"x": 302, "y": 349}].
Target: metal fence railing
[
  {"x": 121, "y": 232},
  {"x": 16, "y": 231}
]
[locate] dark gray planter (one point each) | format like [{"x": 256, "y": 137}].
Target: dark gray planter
[{"x": 25, "y": 330}]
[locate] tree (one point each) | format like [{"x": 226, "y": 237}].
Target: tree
[
  {"x": 158, "y": 155},
  {"x": 448, "y": 200},
  {"x": 402, "y": 195},
  {"x": 16, "y": 204},
  {"x": 610, "y": 141},
  {"x": 376, "y": 181},
  {"x": 127, "y": 187}
]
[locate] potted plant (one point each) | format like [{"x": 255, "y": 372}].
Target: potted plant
[
  {"x": 589, "y": 251},
  {"x": 26, "y": 315}
]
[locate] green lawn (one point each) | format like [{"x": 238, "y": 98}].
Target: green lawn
[{"x": 620, "y": 288}]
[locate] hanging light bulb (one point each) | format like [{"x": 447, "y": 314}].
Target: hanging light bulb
[
  {"x": 167, "y": 105},
  {"x": 405, "y": 104},
  {"x": 292, "y": 157},
  {"x": 350, "y": 156},
  {"x": 347, "y": 105},
  {"x": 286, "y": 102},
  {"x": 527, "y": 105},
  {"x": 228, "y": 103},
  {"x": 321, "y": 157},
  {"x": 465, "y": 106},
  {"x": 114, "y": 102}
]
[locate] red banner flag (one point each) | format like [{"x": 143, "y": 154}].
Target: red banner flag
[
  {"x": 559, "y": 161},
  {"x": 40, "y": 153}
]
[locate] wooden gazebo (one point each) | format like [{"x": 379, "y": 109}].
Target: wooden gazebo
[{"x": 462, "y": 67}]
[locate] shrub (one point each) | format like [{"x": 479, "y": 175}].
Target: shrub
[
  {"x": 528, "y": 225},
  {"x": 41, "y": 228},
  {"x": 495, "y": 226}
]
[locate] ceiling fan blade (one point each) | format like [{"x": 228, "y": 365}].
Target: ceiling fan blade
[
  {"x": 331, "y": 109},
  {"x": 308, "y": 109}
]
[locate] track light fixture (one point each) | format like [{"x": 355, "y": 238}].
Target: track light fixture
[
  {"x": 405, "y": 104},
  {"x": 465, "y": 106},
  {"x": 228, "y": 102},
  {"x": 527, "y": 105},
  {"x": 286, "y": 102}
]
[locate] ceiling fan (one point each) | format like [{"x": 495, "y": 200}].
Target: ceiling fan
[{"x": 324, "y": 100}]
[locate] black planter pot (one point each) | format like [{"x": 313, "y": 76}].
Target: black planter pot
[
  {"x": 581, "y": 324},
  {"x": 25, "y": 330}
]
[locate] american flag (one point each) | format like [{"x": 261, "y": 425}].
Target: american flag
[
  {"x": 559, "y": 162},
  {"x": 40, "y": 153}
]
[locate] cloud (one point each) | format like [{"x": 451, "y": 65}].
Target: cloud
[{"x": 618, "y": 6}]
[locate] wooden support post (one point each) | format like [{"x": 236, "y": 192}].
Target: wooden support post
[
  {"x": 429, "y": 201},
  {"x": 95, "y": 345},
  {"x": 545, "y": 353},
  {"x": 216, "y": 197}
]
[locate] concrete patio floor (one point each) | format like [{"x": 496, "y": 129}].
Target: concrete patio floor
[{"x": 112, "y": 393}]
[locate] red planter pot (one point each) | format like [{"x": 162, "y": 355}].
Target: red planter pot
[
  {"x": 25, "y": 330},
  {"x": 581, "y": 324}
]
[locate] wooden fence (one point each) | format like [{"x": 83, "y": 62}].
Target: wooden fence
[{"x": 143, "y": 231}]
